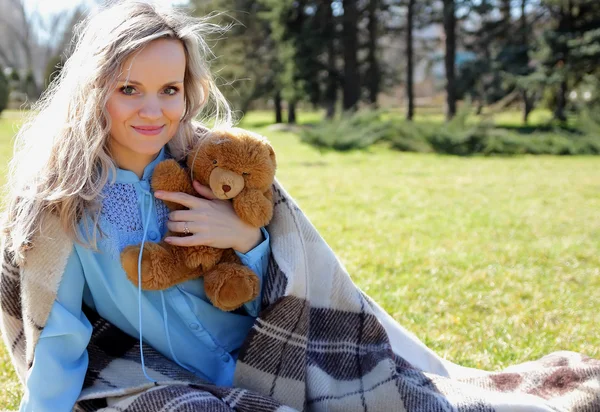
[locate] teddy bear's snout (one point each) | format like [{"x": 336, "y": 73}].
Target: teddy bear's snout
[{"x": 225, "y": 184}]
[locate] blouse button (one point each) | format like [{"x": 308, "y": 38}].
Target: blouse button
[
  {"x": 153, "y": 236},
  {"x": 194, "y": 326},
  {"x": 225, "y": 357}
]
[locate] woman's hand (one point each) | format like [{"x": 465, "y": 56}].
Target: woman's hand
[{"x": 209, "y": 222}]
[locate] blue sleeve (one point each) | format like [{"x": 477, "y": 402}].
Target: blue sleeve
[
  {"x": 60, "y": 361},
  {"x": 257, "y": 260}
]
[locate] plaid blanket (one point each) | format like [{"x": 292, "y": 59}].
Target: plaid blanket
[{"x": 319, "y": 344}]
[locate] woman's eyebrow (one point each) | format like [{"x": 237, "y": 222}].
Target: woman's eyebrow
[{"x": 140, "y": 84}]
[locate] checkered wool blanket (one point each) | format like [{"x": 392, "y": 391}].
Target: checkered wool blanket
[{"x": 319, "y": 344}]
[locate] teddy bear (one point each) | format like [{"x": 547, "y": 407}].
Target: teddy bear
[{"x": 236, "y": 164}]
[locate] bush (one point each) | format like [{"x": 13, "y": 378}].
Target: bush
[
  {"x": 4, "y": 90},
  {"x": 352, "y": 132},
  {"x": 409, "y": 136},
  {"x": 457, "y": 137}
]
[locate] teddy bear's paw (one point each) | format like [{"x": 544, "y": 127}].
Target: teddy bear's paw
[
  {"x": 129, "y": 261},
  {"x": 169, "y": 176},
  {"x": 229, "y": 286},
  {"x": 253, "y": 208},
  {"x": 157, "y": 271}
]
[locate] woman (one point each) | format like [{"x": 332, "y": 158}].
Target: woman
[
  {"x": 125, "y": 101},
  {"x": 74, "y": 325}
]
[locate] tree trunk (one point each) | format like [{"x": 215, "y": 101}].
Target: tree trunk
[
  {"x": 524, "y": 28},
  {"x": 505, "y": 7},
  {"x": 374, "y": 76},
  {"x": 350, "y": 41},
  {"x": 561, "y": 102},
  {"x": 278, "y": 114},
  {"x": 332, "y": 81},
  {"x": 566, "y": 21},
  {"x": 292, "y": 112},
  {"x": 450, "y": 57},
  {"x": 480, "y": 104},
  {"x": 528, "y": 99},
  {"x": 410, "y": 87},
  {"x": 527, "y": 106}
]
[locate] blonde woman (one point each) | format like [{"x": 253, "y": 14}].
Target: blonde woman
[
  {"x": 126, "y": 99},
  {"x": 82, "y": 336}
]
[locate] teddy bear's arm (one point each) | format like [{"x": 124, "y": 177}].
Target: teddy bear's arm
[
  {"x": 171, "y": 177},
  {"x": 254, "y": 207}
]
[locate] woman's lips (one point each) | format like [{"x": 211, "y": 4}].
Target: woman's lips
[{"x": 149, "y": 130}]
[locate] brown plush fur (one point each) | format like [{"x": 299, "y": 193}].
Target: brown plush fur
[{"x": 237, "y": 165}]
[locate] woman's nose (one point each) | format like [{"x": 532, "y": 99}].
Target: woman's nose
[{"x": 151, "y": 109}]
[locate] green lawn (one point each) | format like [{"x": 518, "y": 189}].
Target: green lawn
[{"x": 491, "y": 261}]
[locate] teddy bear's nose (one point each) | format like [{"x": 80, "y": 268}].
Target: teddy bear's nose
[{"x": 226, "y": 188}]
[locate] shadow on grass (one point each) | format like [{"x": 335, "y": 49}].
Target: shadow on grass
[{"x": 544, "y": 128}]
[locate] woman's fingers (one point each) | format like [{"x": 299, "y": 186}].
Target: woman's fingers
[
  {"x": 194, "y": 240},
  {"x": 191, "y": 202},
  {"x": 186, "y": 215},
  {"x": 185, "y": 227}
]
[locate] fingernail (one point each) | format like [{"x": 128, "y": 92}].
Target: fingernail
[
  {"x": 158, "y": 194},
  {"x": 168, "y": 240}
]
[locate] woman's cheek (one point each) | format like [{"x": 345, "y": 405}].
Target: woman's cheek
[
  {"x": 122, "y": 109},
  {"x": 175, "y": 109}
]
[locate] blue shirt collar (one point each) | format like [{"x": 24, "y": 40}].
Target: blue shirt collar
[{"x": 127, "y": 176}]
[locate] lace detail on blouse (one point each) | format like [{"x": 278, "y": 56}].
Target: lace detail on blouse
[
  {"x": 120, "y": 219},
  {"x": 162, "y": 215},
  {"x": 120, "y": 207}
]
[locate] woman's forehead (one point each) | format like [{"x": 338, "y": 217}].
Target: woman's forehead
[{"x": 161, "y": 61}]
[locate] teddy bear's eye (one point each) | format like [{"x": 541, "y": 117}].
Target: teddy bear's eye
[
  {"x": 215, "y": 161},
  {"x": 246, "y": 173}
]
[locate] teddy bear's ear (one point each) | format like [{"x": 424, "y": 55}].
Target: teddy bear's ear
[{"x": 272, "y": 155}]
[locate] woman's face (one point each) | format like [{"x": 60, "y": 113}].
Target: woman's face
[{"x": 147, "y": 104}]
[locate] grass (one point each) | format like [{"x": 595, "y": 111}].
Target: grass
[{"x": 490, "y": 261}]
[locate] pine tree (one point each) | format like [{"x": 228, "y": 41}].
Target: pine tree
[{"x": 570, "y": 49}]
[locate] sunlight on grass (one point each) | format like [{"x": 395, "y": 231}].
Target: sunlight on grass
[{"x": 490, "y": 261}]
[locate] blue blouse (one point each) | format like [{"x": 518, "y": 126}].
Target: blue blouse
[{"x": 175, "y": 321}]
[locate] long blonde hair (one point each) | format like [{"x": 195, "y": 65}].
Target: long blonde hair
[{"x": 61, "y": 161}]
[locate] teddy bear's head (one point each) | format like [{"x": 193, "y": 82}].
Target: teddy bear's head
[{"x": 230, "y": 160}]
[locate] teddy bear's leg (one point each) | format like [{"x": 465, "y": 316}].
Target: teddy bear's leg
[
  {"x": 171, "y": 177},
  {"x": 230, "y": 285},
  {"x": 254, "y": 207},
  {"x": 161, "y": 268}
]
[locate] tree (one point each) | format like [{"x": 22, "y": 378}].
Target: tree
[
  {"x": 350, "y": 44},
  {"x": 373, "y": 72},
  {"x": 570, "y": 49},
  {"x": 333, "y": 77},
  {"x": 277, "y": 107},
  {"x": 410, "y": 92},
  {"x": 246, "y": 63},
  {"x": 28, "y": 41},
  {"x": 450, "y": 56},
  {"x": 528, "y": 92},
  {"x": 4, "y": 90}
]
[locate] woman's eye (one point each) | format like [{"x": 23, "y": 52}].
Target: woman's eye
[
  {"x": 127, "y": 90},
  {"x": 171, "y": 91}
]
